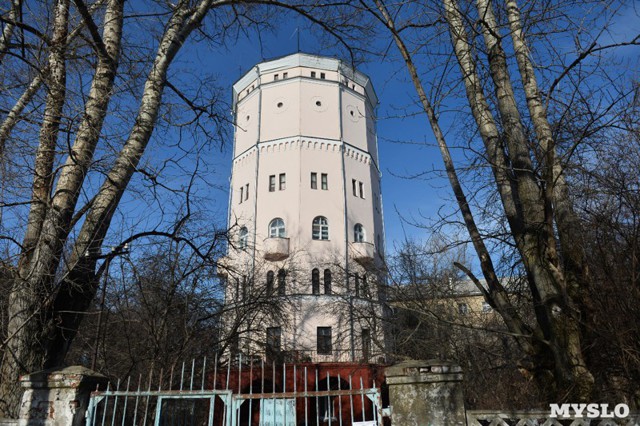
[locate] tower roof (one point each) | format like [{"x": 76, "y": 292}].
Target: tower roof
[{"x": 309, "y": 61}]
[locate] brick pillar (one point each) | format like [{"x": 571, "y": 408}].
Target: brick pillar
[
  {"x": 426, "y": 393},
  {"x": 58, "y": 397}
]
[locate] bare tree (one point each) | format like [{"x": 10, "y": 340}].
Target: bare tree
[
  {"x": 510, "y": 116},
  {"x": 59, "y": 261}
]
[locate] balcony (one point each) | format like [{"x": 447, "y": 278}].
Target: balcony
[
  {"x": 276, "y": 248},
  {"x": 363, "y": 253}
]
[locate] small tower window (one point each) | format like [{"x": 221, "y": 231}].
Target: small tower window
[
  {"x": 324, "y": 180},
  {"x": 285, "y": 75},
  {"x": 323, "y": 75},
  {"x": 358, "y": 233},
  {"x": 314, "y": 180},
  {"x": 276, "y": 228},
  {"x": 275, "y": 77},
  {"x": 272, "y": 183},
  {"x": 320, "y": 229},
  {"x": 270, "y": 279},
  {"x": 354, "y": 186},
  {"x": 361, "y": 187},
  {"x": 315, "y": 281},
  {"x": 282, "y": 275},
  {"x": 324, "y": 341},
  {"x": 327, "y": 281},
  {"x": 243, "y": 237},
  {"x": 313, "y": 74},
  {"x": 246, "y": 192},
  {"x": 280, "y": 104},
  {"x": 282, "y": 181},
  {"x": 318, "y": 103},
  {"x": 241, "y": 194}
]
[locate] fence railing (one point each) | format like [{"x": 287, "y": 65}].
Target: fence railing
[{"x": 248, "y": 393}]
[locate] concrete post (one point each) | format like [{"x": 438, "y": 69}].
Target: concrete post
[
  {"x": 58, "y": 397},
  {"x": 426, "y": 393}
]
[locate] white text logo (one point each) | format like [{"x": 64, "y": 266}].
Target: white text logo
[{"x": 591, "y": 411}]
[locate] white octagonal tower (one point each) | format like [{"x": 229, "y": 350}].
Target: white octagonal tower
[{"x": 304, "y": 263}]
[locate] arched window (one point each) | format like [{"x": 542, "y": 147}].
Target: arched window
[
  {"x": 358, "y": 233},
  {"x": 281, "y": 282},
  {"x": 270, "y": 279},
  {"x": 315, "y": 281},
  {"x": 276, "y": 228},
  {"x": 327, "y": 281},
  {"x": 243, "y": 236},
  {"x": 320, "y": 230}
]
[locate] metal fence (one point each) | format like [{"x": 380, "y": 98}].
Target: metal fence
[{"x": 248, "y": 393}]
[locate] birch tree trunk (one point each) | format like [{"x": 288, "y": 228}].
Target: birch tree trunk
[
  {"x": 532, "y": 228},
  {"x": 25, "y": 300},
  {"x": 46, "y": 308}
]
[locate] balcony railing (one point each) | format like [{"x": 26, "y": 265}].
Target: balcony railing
[
  {"x": 276, "y": 248},
  {"x": 363, "y": 253}
]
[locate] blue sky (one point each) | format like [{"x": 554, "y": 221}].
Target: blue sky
[{"x": 406, "y": 143}]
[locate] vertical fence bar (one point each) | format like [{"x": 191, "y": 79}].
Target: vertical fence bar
[
  {"x": 339, "y": 402},
  {"x": 204, "y": 372},
  {"x": 284, "y": 389},
  {"x": 351, "y": 396},
  {"x": 182, "y": 376},
  {"x": 328, "y": 402},
  {"x": 306, "y": 398},
  {"x": 364, "y": 417},
  {"x": 135, "y": 412},
  {"x": 146, "y": 408},
  {"x": 250, "y": 390},
  {"x": 126, "y": 401},
  {"x": 317, "y": 400},
  {"x": 106, "y": 403},
  {"x": 115, "y": 404},
  {"x": 193, "y": 367},
  {"x": 273, "y": 389}
]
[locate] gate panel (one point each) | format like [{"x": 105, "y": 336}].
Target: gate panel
[{"x": 250, "y": 394}]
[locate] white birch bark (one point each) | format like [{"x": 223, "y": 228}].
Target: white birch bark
[
  {"x": 7, "y": 32},
  {"x": 50, "y": 218}
]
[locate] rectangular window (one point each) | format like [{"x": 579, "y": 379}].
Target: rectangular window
[
  {"x": 324, "y": 341},
  {"x": 313, "y": 74},
  {"x": 246, "y": 192},
  {"x": 314, "y": 180},
  {"x": 274, "y": 340},
  {"x": 241, "y": 194},
  {"x": 285, "y": 75},
  {"x": 324, "y": 181},
  {"x": 463, "y": 308},
  {"x": 361, "y": 186},
  {"x": 366, "y": 344},
  {"x": 272, "y": 183},
  {"x": 282, "y": 182},
  {"x": 323, "y": 75},
  {"x": 275, "y": 77},
  {"x": 353, "y": 184}
]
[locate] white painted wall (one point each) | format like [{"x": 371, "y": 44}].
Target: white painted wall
[{"x": 295, "y": 126}]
